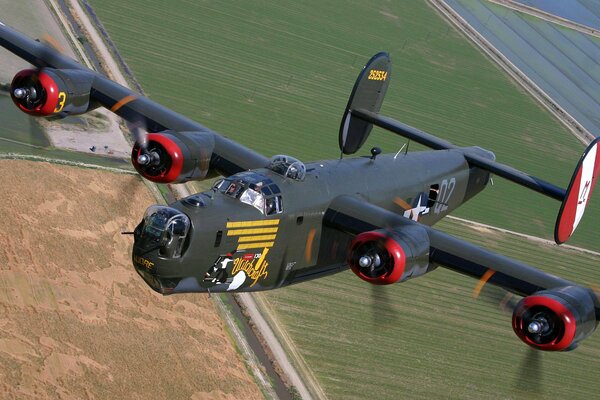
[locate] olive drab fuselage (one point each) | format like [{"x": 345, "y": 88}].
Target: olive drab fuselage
[{"x": 237, "y": 245}]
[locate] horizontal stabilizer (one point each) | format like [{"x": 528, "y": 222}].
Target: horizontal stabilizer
[
  {"x": 574, "y": 199},
  {"x": 404, "y": 130},
  {"x": 473, "y": 158}
]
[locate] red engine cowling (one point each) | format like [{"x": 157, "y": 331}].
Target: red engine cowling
[
  {"x": 556, "y": 320},
  {"x": 174, "y": 158},
  {"x": 384, "y": 257},
  {"x": 52, "y": 92}
]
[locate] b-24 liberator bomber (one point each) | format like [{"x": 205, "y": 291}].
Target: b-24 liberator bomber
[{"x": 269, "y": 223}]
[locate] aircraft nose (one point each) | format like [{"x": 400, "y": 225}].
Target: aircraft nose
[{"x": 147, "y": 269}]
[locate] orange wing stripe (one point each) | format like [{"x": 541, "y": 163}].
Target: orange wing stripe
[
  {"x": 122, "y": 102},
  {"x": 484, "y": 278}
]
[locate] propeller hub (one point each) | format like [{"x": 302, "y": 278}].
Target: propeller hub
[
  {"x": 364, "y": 261},
  {"x": 20, "y": 93},
  {"x": 143, "y": 159},
  {"x": 539, "y": 325},
  {"x": 534, "y": 327},
  {"x": 151, "y": 158}
]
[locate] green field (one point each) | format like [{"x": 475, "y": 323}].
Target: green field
[{"x": 276, "y": 76}]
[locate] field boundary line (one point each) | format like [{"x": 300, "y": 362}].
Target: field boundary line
[
  {"x": 546, "y": 16},
  {"x": 21, "y": 143},
  {"x": 523, "y": 235},
  {"x": 60, "y": 161},
  {"x": 579, "y": 131}
]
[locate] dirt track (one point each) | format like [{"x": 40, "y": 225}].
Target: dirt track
[{"x": 75, "y": 319}]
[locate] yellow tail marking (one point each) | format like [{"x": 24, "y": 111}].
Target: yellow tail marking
[
  {"x": 255, "y": 231},
  {"x": 484, "y": 278},
  {"x": 260, "y": 245},
  {"x": 245, "y": 239},
  {"x": 248, "y": 224},
  {"x": 122, "y": 102}
]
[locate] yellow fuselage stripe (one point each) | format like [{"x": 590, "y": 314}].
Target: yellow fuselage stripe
[
  {"x": 245, "y": 239},
  {"x": 248, "y": 224},
  {"x": 248, "y": 246},
  {"x": 255, "y": 231}
]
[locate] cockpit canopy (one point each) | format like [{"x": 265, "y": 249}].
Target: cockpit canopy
[
  {"x": 288, "y": 167},
  {"x": 253, "y": 189},
  {"x": 167, "y": 228}
]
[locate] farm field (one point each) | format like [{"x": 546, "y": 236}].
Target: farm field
[
  {"x": 428, "y": 338},
  {"x": 559, "y": 60},
  {"x": 586, "y": 12},
  {"x": 276, "y": 77}
]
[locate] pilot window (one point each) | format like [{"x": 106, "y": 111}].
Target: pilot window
[
  {"x": 274, "y": 206},
  {"x": 253, "y": 189},
  {"x": 253, "y": 198}
]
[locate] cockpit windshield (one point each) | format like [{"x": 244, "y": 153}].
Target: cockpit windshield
[
  {"x": 254, "y": 198},
  {"x": 167, "y": 227},
  {"x": 288, "y": 167},
  {"x": 253, "y": 189}
]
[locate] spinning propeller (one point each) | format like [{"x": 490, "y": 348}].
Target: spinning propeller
[
  {"x": 530, "y": 368},
  {"x": 146, "y": 156},
  {"x": 373, "y": 259}
]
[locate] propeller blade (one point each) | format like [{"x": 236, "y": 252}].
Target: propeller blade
[
  {"x": 383, "y": 313},
  {"x": 530, "y": 372},
  {"x": 139, "y": 132}
]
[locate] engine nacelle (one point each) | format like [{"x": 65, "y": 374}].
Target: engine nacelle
[
  {"x": 556, "y": 320},
  {"x": 52, "y": 92},
  {"x": 383, "y": 257},
  {"x": 170, "y": 158}
]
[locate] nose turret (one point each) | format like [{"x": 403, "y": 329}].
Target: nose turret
[{"x": 162, "y": 236}]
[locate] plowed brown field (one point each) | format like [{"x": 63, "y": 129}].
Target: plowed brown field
[{"x": 75, "y": 319}]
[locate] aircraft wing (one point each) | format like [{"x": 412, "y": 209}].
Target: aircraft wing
[
  {"x": 555, "y": 315},
  {"x": 227, "y": 157},
  {"x": 355, "y": 216}
]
